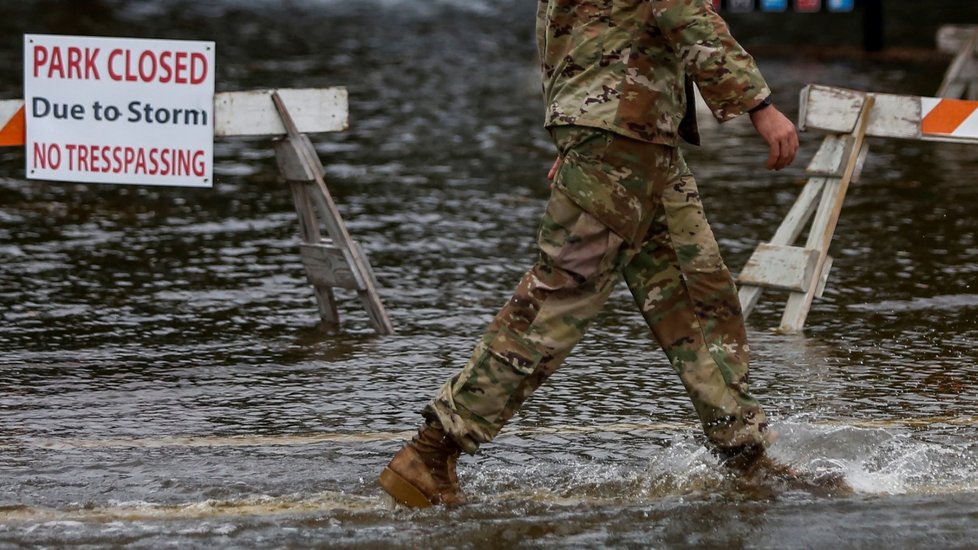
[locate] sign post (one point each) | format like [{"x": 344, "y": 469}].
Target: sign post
[{"x": 119, "y": 110}]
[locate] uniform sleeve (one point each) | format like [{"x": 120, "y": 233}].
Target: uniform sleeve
[
  {"x": 727, "y": 76},
  {"x": 542, "y": 23}
]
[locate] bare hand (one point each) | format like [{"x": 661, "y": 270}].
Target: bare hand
[
  {"x": 779, "y": 134},
  {"x": 553, "y": 170}
]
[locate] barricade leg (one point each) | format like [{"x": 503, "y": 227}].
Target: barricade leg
[
  {"x": 804, "y": 270},
  {"x": 334, "y": 262}
]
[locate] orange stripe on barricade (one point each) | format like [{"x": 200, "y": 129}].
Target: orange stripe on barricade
[
  {"x": 947, "y": 116},
  {"x": 13, "y": 131}
]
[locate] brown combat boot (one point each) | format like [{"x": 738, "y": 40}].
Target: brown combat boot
[
  {"x": 751, "y": 459},
  {"x": 422, "y": 473},
  {"x": 755, "y": 469}
]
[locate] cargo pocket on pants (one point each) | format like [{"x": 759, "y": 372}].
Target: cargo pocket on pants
[
  {"x": 506, "y": 362},
  {"x": 594, "y": 185}
]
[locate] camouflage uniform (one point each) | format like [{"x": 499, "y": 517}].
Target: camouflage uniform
[{"x": 624, "y": 204}]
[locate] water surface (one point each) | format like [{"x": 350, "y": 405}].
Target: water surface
[{"x": 165, "y": 385}]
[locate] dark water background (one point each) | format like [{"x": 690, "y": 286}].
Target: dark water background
[{"x": 163, "y": 385}]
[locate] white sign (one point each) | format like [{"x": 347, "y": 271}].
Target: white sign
[{"x": 119, "y": 110}]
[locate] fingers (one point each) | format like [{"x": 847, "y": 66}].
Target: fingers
[
  {"x": 773, "y": 156},
  {"x": 787, "y": 150},
  {"x": 782, "y": 153},
  {"x": 553, "y": 170},
  {"x": 780, "y": 135}
]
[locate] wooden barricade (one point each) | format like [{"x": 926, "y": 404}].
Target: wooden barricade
[
  {"x": 336, "y": 261},
  {"x": 961, "y": 79},
  {"x": 848, "y": 116}
]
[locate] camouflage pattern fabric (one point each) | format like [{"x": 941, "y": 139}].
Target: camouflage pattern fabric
[
  {"x": 620, "y": 207},
  {"x": 621, "y": 65}
]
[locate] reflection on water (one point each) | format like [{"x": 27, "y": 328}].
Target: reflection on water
[{"x": 164, "y": 385}]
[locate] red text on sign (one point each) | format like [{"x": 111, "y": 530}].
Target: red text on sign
[
  {"x": 134, "y": 161},
  {"x": 164, "y": 67},
  {"x": 71, "y": 63},
  {"x": 121, "y": 65}
]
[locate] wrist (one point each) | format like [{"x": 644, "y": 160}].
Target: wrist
[{"x": 764, "y": 104}]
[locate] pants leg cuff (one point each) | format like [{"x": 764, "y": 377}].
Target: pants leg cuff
[{"x": 468, "y": 430}]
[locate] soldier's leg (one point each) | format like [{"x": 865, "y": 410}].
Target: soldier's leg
[
  {"x": 525, "y": 343},
  {"x": 690, "y": 303},
  {"x": 534, "y": 332},
  {"x": 602, "y": 192}
]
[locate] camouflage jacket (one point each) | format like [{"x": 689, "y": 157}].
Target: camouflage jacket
[{"x": 622, "y": 65}]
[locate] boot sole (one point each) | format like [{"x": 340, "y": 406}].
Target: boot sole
[{"x": 402, "y": 490}]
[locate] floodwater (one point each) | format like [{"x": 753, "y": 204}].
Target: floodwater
[{"x": 164, "y": 386}]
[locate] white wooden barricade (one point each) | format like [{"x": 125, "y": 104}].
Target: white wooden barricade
[
  {"x": 848, "y": 116},
  {"x": 336, "y": 261},
  {"x": 961, "y": 79}
]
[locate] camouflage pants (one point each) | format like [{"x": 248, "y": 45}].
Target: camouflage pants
[{"x": 620, "y": 207}]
